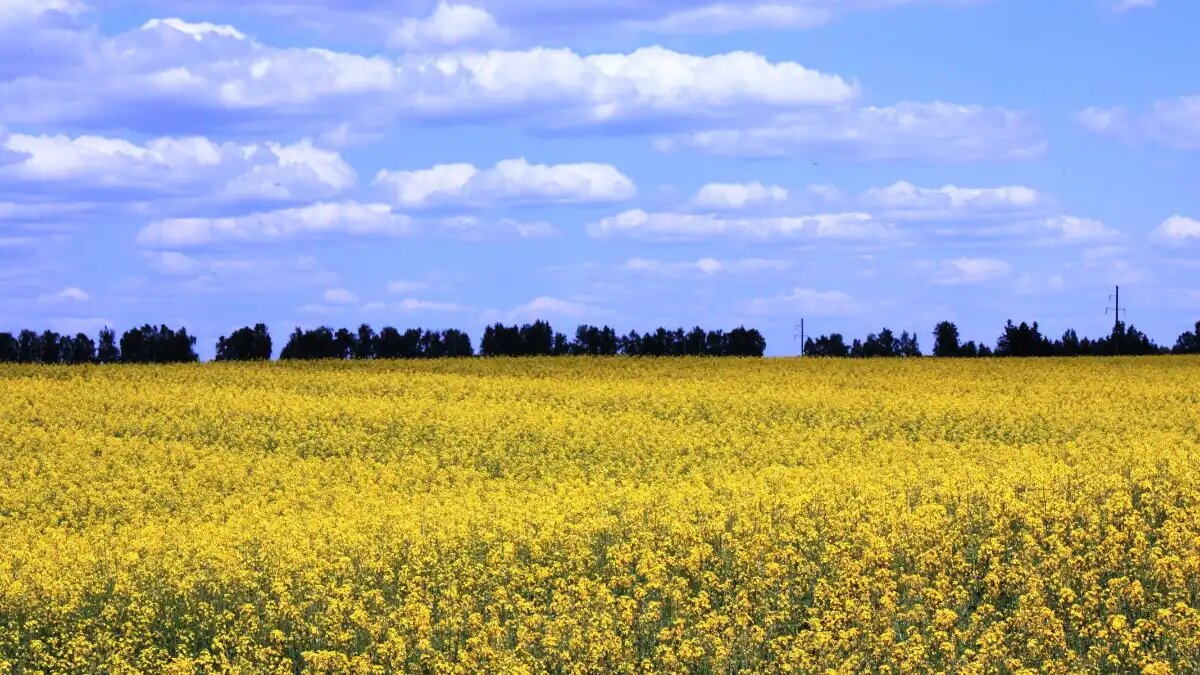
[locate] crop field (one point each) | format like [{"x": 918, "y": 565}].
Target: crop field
[{"x": 602, "y": 515}]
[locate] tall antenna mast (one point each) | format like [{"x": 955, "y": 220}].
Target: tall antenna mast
[
  {"x": 799, "y": 335},
  {"x": 1116, "y": 309}
]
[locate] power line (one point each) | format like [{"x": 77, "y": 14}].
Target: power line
[{"x": 1116, "y": 309}]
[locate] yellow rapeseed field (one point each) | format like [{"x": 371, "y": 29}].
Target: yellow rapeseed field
[{"x": 594, "y": 516}]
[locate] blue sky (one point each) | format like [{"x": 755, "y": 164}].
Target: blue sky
[{"x": 857, "y": 163}]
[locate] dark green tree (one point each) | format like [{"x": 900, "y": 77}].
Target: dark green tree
[
  {"x": 80, "y": 349},
  {"x": 29, "y": 347},
  {"x": 946, "y": 340},
  {"x": 107, "y": 351},
  {"x": 313, "y": 344},
  {"x": 8, "y": 348},
  {"x": 832, "y": 345},
  {"x": 52, "y": 347},
  {"x": 458, "y": 343},
  {"x": 746, "y": 342},
  {"x": 1188, "y": 343},
  {"x": 364, "y": 347},
  {"x": 1024, "y": 340},
  {"x": 245, "y": 344}
]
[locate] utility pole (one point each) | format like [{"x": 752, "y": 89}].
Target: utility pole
[
  {"x": 800, "y": 336},
  {"x": 1116, "y": 309}
]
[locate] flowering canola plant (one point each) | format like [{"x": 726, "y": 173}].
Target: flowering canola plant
[{"x": 581, "y": 515}]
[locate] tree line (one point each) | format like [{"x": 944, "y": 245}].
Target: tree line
[
  {"x": 539, "y": 339},
  {"x": 532, "y": 339},
  {"x": 148, "y": 344},
  {"x": 1019, "y": 340},
  {"x": 161, "y": 344}
]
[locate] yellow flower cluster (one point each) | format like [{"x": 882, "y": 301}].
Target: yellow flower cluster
[{"x": 583, "y": 515}]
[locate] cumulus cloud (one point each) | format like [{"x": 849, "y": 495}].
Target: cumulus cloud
[
  {"x": 639, "y": 224},
  {"x": 509, "y": 181},
  {"x": 807, "y": 301},
  {"x": 474, "y": 228},
  {"x": 319, "y": 219},
  {"x": 1050, "y": 231},
  {"x": 1178, "y": 230},
  {"x": 732, "y": 196},
  {"x": 1076, "y": 230},
  {"x": 905, "y": 201},
  {"x": 68, "y": 294},
  {"x": 448, "y": 26},
  {"x": 175, "y": 166},
  {"x": 172, "y": 71},
  {"x": 43, "y": 35},
  {"x": 544, "y": 307},
  {"x": 339, "y": 296},
  {"x": 1103, "y": 120},
  {"x": 971, "y": 271},
  {"x": 241, "y": 274},
  {"x": 1171, "y": 123},
  {"x": 24, "y": 12},
  {"x": 934, "y": 132},
  {"x": 703, "y": 267}
]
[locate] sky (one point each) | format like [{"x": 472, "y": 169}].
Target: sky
[{"x": 853, "y": 163}]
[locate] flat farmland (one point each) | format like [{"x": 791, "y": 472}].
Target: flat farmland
[{"x": 586, "y": 515}]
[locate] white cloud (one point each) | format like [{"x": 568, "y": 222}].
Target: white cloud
[
  {"x": 38, "y": 211},
  {"x": 339, "y": 296},
  {"x": 256, "y": 273},
  {"x": 1177, "y": 230},
  {"x": 448, "y": 26},
  {"x": 197, "y": 31},
  {"x": 14, "y": 242},
  {"x": 903, "y": 200},
  {"x": 935, "y": 132},
  {"x": 1051, "y": 231},
  {"x": 320, "y": 310},
  {"x": 176, "y": 74},
  {"x": 544, "y": 307},
  {"x": 417, "y": 305},
  {"x": 683, "y": 226},
  {"x": 726, "y": 18},
  {"x": 971, "y": 271},
  {"x": 69, "y": 325},
  {"x": 1126, "y": 5},
  {"x": 1039, "y": 285},
  {"x": 172, "y": 166},
  {"x": 41, "y": 35},
  {"x": 1103, "y": 120},
  {"x": 1171, "y": 123},
  {"x": 807, "y": 301},
  {"x": 68, "y": 294},
  {"x": 18, "y": 12},
  {"x": 404, "y": 287},
  {"x": 549, "y": 19},
  {"x": 1176, "y": 123},
  {"x": 172, "y": 262},
  {"x": 509, "y": 181},
  {"x": 1075, "y": 230},
  {"x": 350, "y": 218},
  {"x": 473, "y": 228},
  {"x": 704, "y": 267},
  {"x": 731, "y": 196}
]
